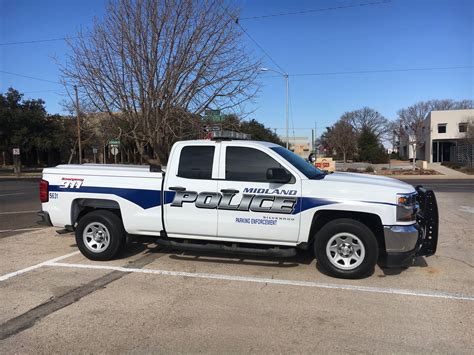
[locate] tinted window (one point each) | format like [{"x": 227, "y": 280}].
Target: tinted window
[
  {"x": 195, "y": 162},
  {"x": 310, "y": 171},
  {"x": 442, "y": 128},
  {"x": 247, "y": 164}
]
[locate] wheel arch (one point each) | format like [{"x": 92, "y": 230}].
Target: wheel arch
[
  {"x": 82, "y": 206},
  {"x": 371, "y": 220}
]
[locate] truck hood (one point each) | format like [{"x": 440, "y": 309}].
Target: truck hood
[
  {"x": 356, "y": 187},
  {"x": 382, "y": 181}
]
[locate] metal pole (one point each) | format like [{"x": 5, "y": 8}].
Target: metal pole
[
  {"x": 287, "y": 109},
  {"x": 315, "y": 138},
  {"x": 78, "y": 120}
]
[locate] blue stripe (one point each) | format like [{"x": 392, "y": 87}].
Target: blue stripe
[
  {"x": 380, "y": 203},
  {"x": 169, "y": 196},
  {"x": 143, "y": 198},
  {"x": 306, "y": 203},
  {"x": 152, "y": 198}
]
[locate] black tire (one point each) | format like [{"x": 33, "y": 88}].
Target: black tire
[
  {"x": 113, "y": 226},
  {"x": 346, "y": 259}
]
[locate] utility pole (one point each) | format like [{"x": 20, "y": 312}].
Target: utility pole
[
  {"x": 287, "y": 108},
  {"x": 287, "y": 112},
  {"x": 315, "y": 138},
  {"x": 78, "y": 120}
]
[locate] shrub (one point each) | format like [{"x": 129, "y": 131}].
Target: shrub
[
  {"x": 369, "y": 169},
  {"x": 370, "y": 149}
]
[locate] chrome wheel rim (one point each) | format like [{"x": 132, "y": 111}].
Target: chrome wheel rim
[
  {"x": 96, "y": 237},
  {"x": 345, "y": 251}
]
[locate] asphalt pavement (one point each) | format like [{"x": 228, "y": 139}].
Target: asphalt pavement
[
  {"x": 444, "y": 185},
  {"x": 19, "y": 202}
]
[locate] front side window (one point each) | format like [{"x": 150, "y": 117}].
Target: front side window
[
  {"x": 462, "y": 127},
  {"x": 442, "y": 128},
  {"x": 308, "y": 169},
  {"x": 195, "y": 162},
  {"x": 248, "y": 164}
]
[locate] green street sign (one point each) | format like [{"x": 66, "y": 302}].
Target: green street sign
[
  {"x": 213, "y": 115},
  {"x": 114, "y": 142}
]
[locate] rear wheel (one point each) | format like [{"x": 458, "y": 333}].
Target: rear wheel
[
  {"x": 346, "y": 248},
  {"x": 99, "y": 235}
]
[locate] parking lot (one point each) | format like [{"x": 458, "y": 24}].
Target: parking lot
[{"x": 157, "y": 300}]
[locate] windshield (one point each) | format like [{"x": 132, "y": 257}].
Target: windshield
[{"x": 299, "y": 163}]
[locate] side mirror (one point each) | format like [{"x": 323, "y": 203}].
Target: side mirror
[
  {"x": 278, "y": 175},
  {"x": 312, "y": 158}
]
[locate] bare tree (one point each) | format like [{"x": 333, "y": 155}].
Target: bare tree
[
  {"x": 341, "y": 137},
  {"x": 467, "y": 144},
  {"x": 150, "y": 59},
  {"x": 448, "y": 104},
  {"x": 412, "y": 125},
  {"x": 367, "y": 118},
  {"x": 464, "y": 104}
]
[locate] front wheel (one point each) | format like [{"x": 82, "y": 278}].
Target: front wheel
[
  {"x": 346, "y": 248},
  {"x": 99, "y": 235}
]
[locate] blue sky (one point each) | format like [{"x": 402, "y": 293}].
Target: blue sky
[{"x": 400, "y": 34}]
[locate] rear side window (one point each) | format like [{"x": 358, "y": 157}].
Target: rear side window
[
  {"x": 195, "y": 162},
  {"x": 248, "y": 164}
]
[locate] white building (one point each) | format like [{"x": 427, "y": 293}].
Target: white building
[{"x": 443, "y": 138}]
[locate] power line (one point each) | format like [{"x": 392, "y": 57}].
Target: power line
[
  {"x": 302, "y": 12},
  {"x": 293, "y": 75},
  {"x": 38, "y": 41},
  {"x": 30, "y": 77},
  {"x": 382, "y": 71},
  {"x": 262, "y": 49},
  {"x": 236, "y": 20},
  {"x": 291, "y": 113}
]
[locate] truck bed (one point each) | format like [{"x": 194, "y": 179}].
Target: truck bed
[{"x": 102, "y": 170}]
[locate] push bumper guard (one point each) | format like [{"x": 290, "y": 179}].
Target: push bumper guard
[
  {"x": 427, "y": 225},
  {"x": 427, "y": 219}
]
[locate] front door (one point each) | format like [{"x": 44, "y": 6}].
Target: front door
[{"x": 251, "y": 207}]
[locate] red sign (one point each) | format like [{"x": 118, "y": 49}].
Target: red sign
[{"x": 323, "y": 164}]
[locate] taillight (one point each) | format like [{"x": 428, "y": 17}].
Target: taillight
[{"x": 44, "y": 196}]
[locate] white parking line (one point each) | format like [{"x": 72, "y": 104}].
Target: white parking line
[
  {"x": 30, "y": 268},
  {"x": 467, "y": 209},
  {"x": 18, "y": 212},
  {"x": 393, "y": 291}
]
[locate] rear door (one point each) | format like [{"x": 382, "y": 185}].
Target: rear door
[
  {"x": 191, "y": 196},
  {"x": 253, "y": 208}
]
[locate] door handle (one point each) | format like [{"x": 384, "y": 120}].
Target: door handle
[
  {"x": 230, "y": 191},
  {"x": 177, "y": 188}
]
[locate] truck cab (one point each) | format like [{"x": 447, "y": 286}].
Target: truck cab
[{"x": 245, "y": 197}]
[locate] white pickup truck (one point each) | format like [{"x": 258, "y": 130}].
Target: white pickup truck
[{"x": 243, "y": 197}]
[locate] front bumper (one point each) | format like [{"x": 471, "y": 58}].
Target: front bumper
[{"x": 403, "y": 243}]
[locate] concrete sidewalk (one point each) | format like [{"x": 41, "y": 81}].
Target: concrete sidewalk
[{"x": 449, "y": 173}]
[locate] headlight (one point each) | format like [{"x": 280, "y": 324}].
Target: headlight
[{"x": 406, "y": 207}]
